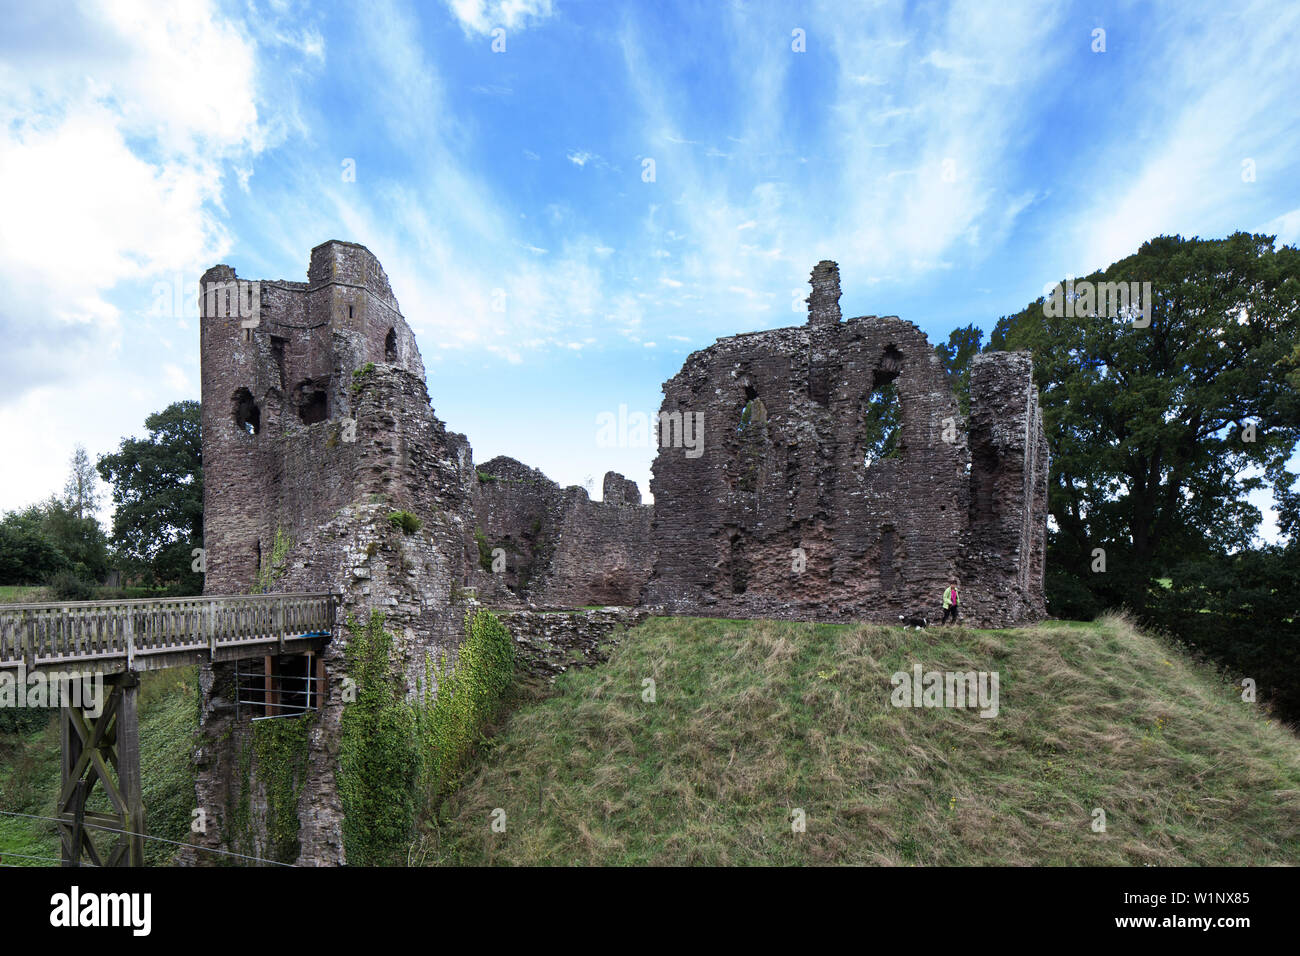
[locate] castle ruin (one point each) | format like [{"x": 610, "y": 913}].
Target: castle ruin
[
  {"x": 839, "y": 479},
  {"x": 326, "y": 469}
]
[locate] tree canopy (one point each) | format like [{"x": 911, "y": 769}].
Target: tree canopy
[
  {"x": 1158, "y": 433},
  {"x": 157, "y": 493}
]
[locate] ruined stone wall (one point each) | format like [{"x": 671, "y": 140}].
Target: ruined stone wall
[
  {"x": 1005, "y": 541},
  {"x": 603, "y": 554},
  {"x": 519, "y": 510},
  {"x": 303, "y": 504},
  {"x": 285, "y": 373},
  {"x": 561, "y": 548},
  {"x": 317, "y": 427},
  {"x": 785, "y": 513},
  {"x": 549, "y": 643}
]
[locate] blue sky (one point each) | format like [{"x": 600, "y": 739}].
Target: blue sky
[{"x": 953, "y": 159}]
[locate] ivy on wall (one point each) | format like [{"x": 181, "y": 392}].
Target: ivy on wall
[
  {"x": 280, "y": 749},
  {"x": 271, "y": 570},
  {"x": 469, "y": 697},
  {"x": 377, "y": 756},
  {"x": 399, "y": 756}
]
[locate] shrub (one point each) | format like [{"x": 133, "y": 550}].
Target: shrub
[
  {"x": 70, "y": 586},
  {"x": 407, "y": 522},
  {"x": 25, "y": 720},
  {"x": 484, "y": 550}
]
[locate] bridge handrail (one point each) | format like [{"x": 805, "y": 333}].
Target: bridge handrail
[
  {"x": 271, "y": 595},
  {"x": 121, "y": 630}
]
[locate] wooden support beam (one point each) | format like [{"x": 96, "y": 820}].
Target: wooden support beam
[{"x": 110, "y": 739}]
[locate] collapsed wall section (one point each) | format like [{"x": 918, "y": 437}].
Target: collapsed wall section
[
  {"x": 542, "y": 544},
  {"x": 798, "y": 505},
  {"x": 1005, "y": 540}
]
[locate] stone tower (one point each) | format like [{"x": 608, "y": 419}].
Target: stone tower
[{"x": 317, "y": 429}]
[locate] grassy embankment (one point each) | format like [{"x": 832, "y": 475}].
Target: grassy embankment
[{"x": 753, "y": 720}]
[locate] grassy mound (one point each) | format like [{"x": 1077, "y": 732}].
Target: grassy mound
[{"x": 753, "y": 720}]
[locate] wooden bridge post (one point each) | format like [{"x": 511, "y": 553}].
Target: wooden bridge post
[
  {"x": 90, "y": 747},
  {"x": 128, "y": 766}
]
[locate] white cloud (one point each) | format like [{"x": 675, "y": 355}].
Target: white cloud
[
  {"x": 119, "y": 123},
  {"x": 1286, "y": 227},
  {"x": 482, "y": 16}
]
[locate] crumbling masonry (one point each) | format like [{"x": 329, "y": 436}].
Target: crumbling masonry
[
  {"x": 837, "y": 479},
  {"x": 317, "y": 430}
]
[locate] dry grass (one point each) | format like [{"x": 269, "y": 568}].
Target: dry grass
[{"x": 753, "y": 719}]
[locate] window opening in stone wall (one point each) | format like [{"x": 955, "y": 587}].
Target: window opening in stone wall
[
  {"x": 248, "y": 417},
  {"x": 312, "y": 401},
  {"x": 819, "y": 383},
  {"x": 390, "y": 346},
  {"x": 753, "y": 414},
  {"x": 286, "y": 686},
  {"x": 737, "y": 565},
  {"x": 883, "y": 413},
  {"x": 753, "y": 449}
]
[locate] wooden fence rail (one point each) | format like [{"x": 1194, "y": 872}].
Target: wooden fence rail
[{"x": 94, "y": 632}]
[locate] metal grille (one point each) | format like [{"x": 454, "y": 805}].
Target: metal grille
[{"x": 266, "y": 695}]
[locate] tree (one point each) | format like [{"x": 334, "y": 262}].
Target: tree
[
  {"x": 1158, "y": 433},
  {"x": 27, "y": 556},
  {"x": 44, "y": 540},
  {"x": 81, "y": 493},
  {"x": 963, "y": 345},
  {"x": 157, "y": 492},
  {"x": 77, "y": 536}
]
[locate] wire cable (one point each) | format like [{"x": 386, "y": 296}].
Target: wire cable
[{"x": 145, "y": 836}]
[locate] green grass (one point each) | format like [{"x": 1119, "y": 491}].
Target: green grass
[
  {"x": 755, "y": 719},
  {"x": 23, "y": 594},
  {"x": 29, "y": 774},
  {"x": 38, "y": 594}
]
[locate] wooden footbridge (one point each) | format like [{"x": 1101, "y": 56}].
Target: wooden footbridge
[{"x": 95, "y": 649}]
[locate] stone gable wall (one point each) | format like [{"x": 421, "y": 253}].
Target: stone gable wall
[{"x": 782, "y": 514}]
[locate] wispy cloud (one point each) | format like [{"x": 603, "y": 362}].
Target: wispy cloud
[
  {"x": 479, "y": 17},
  {"x": 934, "y": 152}
]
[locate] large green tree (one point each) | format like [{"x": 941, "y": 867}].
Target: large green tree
[
  {"x": 157, "y": 493},
  {"x": 46, "y": 539},
  {"x": 1158, "y": 433},
  {"x": 27, "y": 555}
]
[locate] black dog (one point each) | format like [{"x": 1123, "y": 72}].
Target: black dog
[{"x": 914, "y": 619}]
